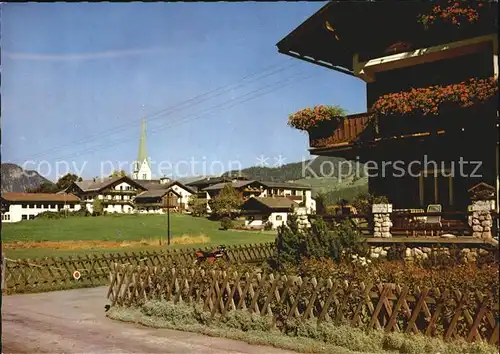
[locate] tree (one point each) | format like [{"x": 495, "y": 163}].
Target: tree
[
  {"x": 198, "y": 205},
  {"x": 44, "y": 187},
  {"x": 320, "y": 203},
  {"x": 288, "y": 243},
  {"x": 97, "y": 207},
  {"x": 226, "y": 203},
  {"x": 118, "y": 173},
  {"x": 67, "y": 180}
]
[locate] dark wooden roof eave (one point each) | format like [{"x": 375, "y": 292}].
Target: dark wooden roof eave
[{"x": 366, "y": 26}]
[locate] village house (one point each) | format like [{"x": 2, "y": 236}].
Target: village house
[
  {"x": 259, "y": 211},
  {"x": 26, "y": 206},
  {"x": 159, "y": 188},
  {"x": 115, "y": 193},
  {"x": 158, "y": 201},
  {"x": 253, "y": 188},
  {"x": 431, "y": 93},
  {"x": 200, "y": 185}
]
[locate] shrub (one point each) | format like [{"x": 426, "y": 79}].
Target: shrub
[
  {"x": 226, "y": 223},
  {"x": 294, "y": 244},
  {"x": 175, "y": 314},
  {"x": 245, "y": 321},
  {"x": 268, "y": 226},
  {"x": 49, "y": 215},
  {"x": 363, "y": 202}
]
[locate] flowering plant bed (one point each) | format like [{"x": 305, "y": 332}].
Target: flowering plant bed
[
  {"x": 430, "y": 100},
  {"x": 452, "y": 12},
  {"x": 310, "y": 118}
]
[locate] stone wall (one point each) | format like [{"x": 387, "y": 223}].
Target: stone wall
[
  {"x": 481, "y": 220},
  {"x": 303, "y": 221},
  {"x": 382, "y": 225},
  {"x": 412, "y": 253}
]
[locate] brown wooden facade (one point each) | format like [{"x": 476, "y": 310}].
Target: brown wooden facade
[{"x": 463, "y": 142}]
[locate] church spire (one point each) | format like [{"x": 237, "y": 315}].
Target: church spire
[
  {"x": 142, "y": 143},
  {"x": 142, "y": 170}
]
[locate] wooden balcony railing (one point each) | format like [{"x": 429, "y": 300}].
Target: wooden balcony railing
[
  {"x": 415, "y": 224},
  {"x": 120, "y": 191},
  {"x": 370, "y": 127},
  {"x": 342, "y": 132}
]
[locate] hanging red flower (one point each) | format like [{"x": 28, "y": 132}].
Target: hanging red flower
[
  {"x": 429, "y": 100},
  {"x": 308, "y": 118},
  {"x": 454, "y": 12}
]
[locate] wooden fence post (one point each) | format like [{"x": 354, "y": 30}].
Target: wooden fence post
[{"x": 3, "y": 265}]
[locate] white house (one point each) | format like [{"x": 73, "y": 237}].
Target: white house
[
  {"x": 26, "y": 206},
  {"x": 116, "y": 193},
  {"x": 259, "y": 211},
  {"x": 297, "y": 192},
  {"x": 163, "y": 184}
]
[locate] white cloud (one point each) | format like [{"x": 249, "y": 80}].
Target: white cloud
[
  {"x": 23, "y": 138},
  {"x": 81, "y": 56}
]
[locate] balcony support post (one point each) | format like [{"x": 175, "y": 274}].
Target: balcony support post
[{"x": 382, "y": 220}]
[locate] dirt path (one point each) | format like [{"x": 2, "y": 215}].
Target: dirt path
[{"x": 73, "y": 321}]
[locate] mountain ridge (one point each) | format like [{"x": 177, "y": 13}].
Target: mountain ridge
[{"x": 17, "y": 179}]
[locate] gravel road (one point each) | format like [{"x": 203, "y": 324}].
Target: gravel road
[{"x": 74, "y": 321}]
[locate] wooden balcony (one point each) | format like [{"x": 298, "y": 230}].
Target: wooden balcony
[
  {"x": 343, "y": 132},
  {"x": 120, "y": 191},
  {"x": 116, "y": 201},
  {"x": 366, "y": 130}
]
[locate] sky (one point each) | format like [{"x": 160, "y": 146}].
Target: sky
[{"x": 77, "y": 78}]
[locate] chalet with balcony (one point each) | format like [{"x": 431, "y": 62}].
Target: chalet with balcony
[
  {"x": 300, "y": 194},
  {"x": 116, "y": 193},
  {"x": 179, "y": 189},
  {"x": 158, "y": 201},
  {"x": 430, "y": 130}
]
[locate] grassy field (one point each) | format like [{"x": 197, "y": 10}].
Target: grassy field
[{"x": 117, "y": 233}]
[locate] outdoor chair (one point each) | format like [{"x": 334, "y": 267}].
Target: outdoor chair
[{"x": 434, "y": 222}]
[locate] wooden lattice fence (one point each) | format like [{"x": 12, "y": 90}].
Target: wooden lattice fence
[
  {"x": 390, "y": 307},
  {"x": 25, "y": 275}
]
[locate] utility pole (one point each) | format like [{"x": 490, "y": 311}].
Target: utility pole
[{"x": 168, "y": 218}]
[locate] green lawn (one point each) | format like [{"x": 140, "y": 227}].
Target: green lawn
[{"x": 120, "y": 228}]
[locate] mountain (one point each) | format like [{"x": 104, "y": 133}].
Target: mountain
[{"x": 16, "y": 179}]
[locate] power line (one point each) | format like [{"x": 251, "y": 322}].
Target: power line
[
  {"x": 185, "y": 119},
  {"x": 175, "y": 108}
]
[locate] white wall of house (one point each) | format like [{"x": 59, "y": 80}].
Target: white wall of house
[
  {"x": 150, "y": 210},
  {"x": 184, "y": 195},
  {"x": 28, "y": 210},
  {"x": 278, "y": 219},
  {"x": 258, "y": 220},
  {"x": 88, "y": 198},
  {"x": 310, "y": 203},
  {"x": 254, "y": 220}
]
